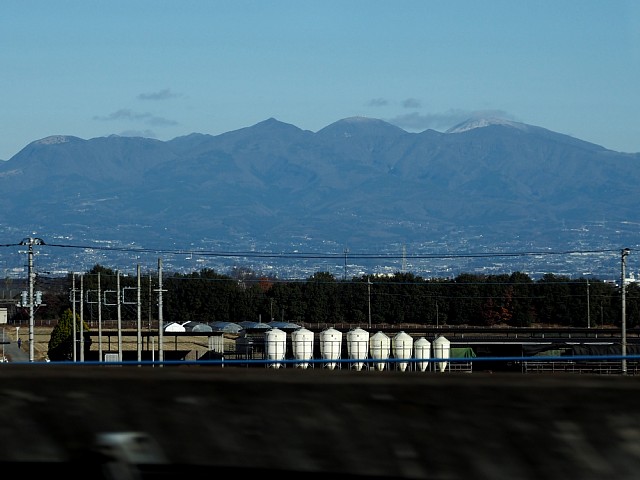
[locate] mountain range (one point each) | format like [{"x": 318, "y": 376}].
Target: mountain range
[{"x": 359, "y": 183}]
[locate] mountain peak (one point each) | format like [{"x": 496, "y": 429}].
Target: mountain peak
[
  {"x": 53, "y": 140},
  {"x": 359, "y": 119},
  {"x": 358, "y": 126},
  {"x": 272, "y": 125}
]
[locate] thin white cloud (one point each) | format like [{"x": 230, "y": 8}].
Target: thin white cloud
[{"x": 161, "y": 95}]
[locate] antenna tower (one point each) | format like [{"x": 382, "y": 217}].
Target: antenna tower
[{"x": 404, "y": 258}]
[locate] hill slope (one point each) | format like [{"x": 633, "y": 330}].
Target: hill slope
[{"x": 358, "y": 182}]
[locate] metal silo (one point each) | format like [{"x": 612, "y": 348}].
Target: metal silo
[
  {"x": 330, "y": 346},
  {"x": 276, "y": 346},
  {"x": 422, "y": 350},
  {"x": 302, "y": 346},
  {"x": 358, "y": 346},
  {"x": 402, "y": 348},
  {"x": 379, "y": 346},
  {"x": 441, "y": 349}
]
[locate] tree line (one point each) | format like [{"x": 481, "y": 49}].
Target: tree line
[{"x": 206, "y": 296}]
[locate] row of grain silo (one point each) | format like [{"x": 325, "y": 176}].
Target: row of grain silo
[{"x": 356, "y": 348}]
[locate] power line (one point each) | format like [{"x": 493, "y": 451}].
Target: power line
[{"x": 308, "y": 255}]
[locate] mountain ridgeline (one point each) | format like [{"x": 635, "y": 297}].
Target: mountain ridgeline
[{"x": 359, "y": 182}]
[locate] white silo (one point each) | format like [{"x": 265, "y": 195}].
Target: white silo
[
  {"x": 275, "y": 346},
  {"x": 330, "y": 346},
  {"x": 441, "y": 349},
  {"x": 402, "y": 348},
  {"x": 379, "y": 346},
  {"x": 358, "y": 346},
  {"x": 302, "y": 346},
  {"x": 422, "y": 350}
]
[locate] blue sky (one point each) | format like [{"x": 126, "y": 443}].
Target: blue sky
[{"x": 163, "y": 69}]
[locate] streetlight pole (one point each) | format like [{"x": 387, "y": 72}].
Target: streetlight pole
[
  {"x": 624, "y": 254},
  {"x": 30, "y": 242}
]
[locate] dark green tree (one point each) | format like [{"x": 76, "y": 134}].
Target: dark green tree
[
  {"x": 523, "y": 311},
  {"x": 61, "y": 343},
  {"x": 467, "y": 300},
  {"x": 632, "y": 309},
  {"x": 553, "y": 296},
  {"x": 321, "y": 292}
]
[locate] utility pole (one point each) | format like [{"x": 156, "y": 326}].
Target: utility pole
[
  {"x": 344, "y": 276},
  {"x": 160, "y": 319},
  {"x": 119, "y": 306},
  {"x": 149, "y": 315},
  {"x": 588, "y": 312},
  {"x": 369, "y": 287},
  {"x": 100, "y": 359},
  {"x": 404, "y": 258},
  {"x": 139, "y": 319},
  {"x": 624, "y": 254},
  {"x": 81, "y": 318},
  {"x": 30, "y": 242},
  {"x": 73, "y": 321}
]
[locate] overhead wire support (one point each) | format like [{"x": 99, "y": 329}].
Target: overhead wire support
[
  {"x": 623, "y": 288},
  {"x": 30, "y": 242}
]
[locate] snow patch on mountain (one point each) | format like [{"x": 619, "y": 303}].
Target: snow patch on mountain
[
  {"x": 484, "y": 122},
  {"x": 52, "y": 140}
]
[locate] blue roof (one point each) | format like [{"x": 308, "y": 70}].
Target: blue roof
[
  {"x": 226, "y": 327},
  {"x": 196, "y": 327},
  {"x": 247, "y": 325},
  {"x": 286, "y": 326}
]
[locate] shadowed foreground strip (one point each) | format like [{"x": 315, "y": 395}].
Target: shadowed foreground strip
[{"x": 318, "y": 423}]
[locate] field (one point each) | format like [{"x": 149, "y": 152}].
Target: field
[{"x": 196, "y": 345}]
